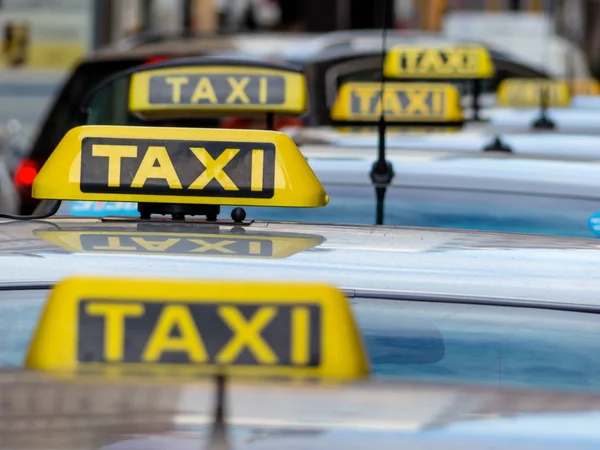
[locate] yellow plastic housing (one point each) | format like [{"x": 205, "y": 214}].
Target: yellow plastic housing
[
  {"x": 402, "y": 102},
  {"x": 179, "y": 165},
  {"x": 527, "y": 92},
  {"x": 200, "y": 90},
  {"x": 126, "y": 326},
  {"x": 443, "y": 63}
]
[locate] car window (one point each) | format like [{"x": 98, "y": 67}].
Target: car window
[
  {"x": 509, "y": 346},
  {"x": 437, "y": 208},
  {"x": 482, "y": 344},
  {"x": 65, "y": 112},
  {"x": 19, "y": 313},
  {"x": 442, "y": 208},
  {"x": 110, "y": 106}
]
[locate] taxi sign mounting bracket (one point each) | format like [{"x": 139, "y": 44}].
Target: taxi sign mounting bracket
[
  {"x": 179, "y": 211},
  {"x": 218, "y": 434},
  {"x": 543, "y": 122}
]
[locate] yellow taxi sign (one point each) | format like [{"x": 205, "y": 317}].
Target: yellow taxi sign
[
  {"x": 179, "y": 166},
  {"x": 209, "y": 244},
  {"x": 200, "y": 88},
  {"x": 527, "y": 92},
  {"x": 235, "y": 328},
  {"x": 402, "y": 102},
  {"x": 584, "y": 86},
  {"x": 447, "y": 62}
]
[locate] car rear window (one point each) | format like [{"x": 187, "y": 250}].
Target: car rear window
[{"x": 65, "y": 112}]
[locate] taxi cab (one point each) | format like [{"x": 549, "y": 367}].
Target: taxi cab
[
  {"x": 473, "y": 68},
  {"x": 483, "y": 191},
  {"x": 449, "y": 126}
]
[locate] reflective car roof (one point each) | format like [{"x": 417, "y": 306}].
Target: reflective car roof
[
  {"x": 363, "y": 260},
  {"x": 568, "y": 146},
  {"x": 45, "y": 412}
]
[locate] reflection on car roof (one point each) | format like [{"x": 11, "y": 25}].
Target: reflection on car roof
[{"x": 422, "y": 262}]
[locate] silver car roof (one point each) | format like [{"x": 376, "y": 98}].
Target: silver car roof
[
  {"x": 362, "y": 260},
  {"x": 45, "y": 412},
  {"x": 568, "y": 146}
]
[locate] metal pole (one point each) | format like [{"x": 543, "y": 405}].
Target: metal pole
[
  {"x": 103, "y": 22},
  {"x": 146, "y": 15},
  {"x": 188, "y": 14}
]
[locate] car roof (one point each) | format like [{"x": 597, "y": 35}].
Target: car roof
[
  {"x": 466, "y": 142},
  {"x": 277, "y": 415},
  {"x": 294, "y": 45},
  {"x": 484, "y": 171},
  {"x": 277, "y": 43},
  {"x": 363, "y": 260}
]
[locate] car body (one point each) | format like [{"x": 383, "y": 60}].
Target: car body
[
  {"x": 491, "y": 283},
  {"x": 263, "y": 416},
  {"x": 559, "y": 146}
]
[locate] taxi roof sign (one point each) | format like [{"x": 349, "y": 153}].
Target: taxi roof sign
[
  {"x": 231, "y": 328},
  {"x": 584, "y": 86},
  {"x": 207, "y": 86},
  {"x": 528, "y": 92},
  {"x": 466, "y": 62},
  {"x": 402, "y": 103},
  {"x": 179, "y": 166}
]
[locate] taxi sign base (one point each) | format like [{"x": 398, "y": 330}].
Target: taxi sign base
[{"x": 179, "y": 211}]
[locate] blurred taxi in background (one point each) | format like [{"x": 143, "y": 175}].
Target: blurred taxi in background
[
  {"x": 491, "y": 190},
  {"x": 364, "y": 47}
]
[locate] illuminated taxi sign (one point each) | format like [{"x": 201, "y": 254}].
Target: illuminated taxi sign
[
  {"x": 217, "y": 244},
  {"x": 402, "y": 102},
  {"x": 200, "y": 89},
  {"x": 246, "y": 328},
  {"x": 584, "y": 87},
  {"x": 179, "y": 165},
  {"x": 464, "y": 62},
  {"x": 527, "y": 92}
]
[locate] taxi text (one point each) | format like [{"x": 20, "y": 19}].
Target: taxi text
[
  {"x": 366, "y": 101},
  {"x": 172, "y": 167},
  {"x": 438, "y": 61},
  {"x": 205, "y": 333},
  {"x": 531, "y": 94},
  {"x": 217, "y": 89}
]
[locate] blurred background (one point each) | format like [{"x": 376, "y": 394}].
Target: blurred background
[{"x": 43, "y": 40}]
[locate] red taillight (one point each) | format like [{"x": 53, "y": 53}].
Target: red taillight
[
  {"x": 26, "y": 173},
  {"x": 155, "y": 59}
]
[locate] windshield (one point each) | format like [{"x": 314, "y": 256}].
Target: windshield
[{"x": 425, "y": 341}]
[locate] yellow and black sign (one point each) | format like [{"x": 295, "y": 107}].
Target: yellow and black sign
[
  {"x": 219, "y": 244},
  {"x": 527, "y": 92},
  {"x": 584, "y": 87},
  {"x": 179, "y": 165},
  {"x": 467, "y": 62},
  {"x": 402, "y": 102},
  {"x": 234, "y": 327},
  {"x": 159, "y": 167},
  {"x": 184, "y": 91}
]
